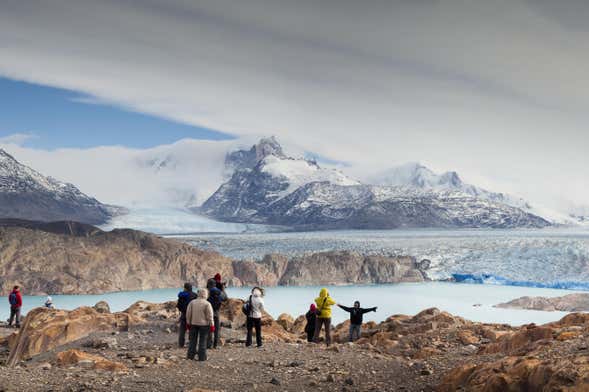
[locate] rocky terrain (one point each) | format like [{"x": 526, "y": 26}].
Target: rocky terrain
[
  {"x": 71, "y": 258},
  {"x": 578, "y": 302},
  {"x": 135, "y": 350},
  {"x": 27, "y": 194},
  {"x": 269, "y": 187}
]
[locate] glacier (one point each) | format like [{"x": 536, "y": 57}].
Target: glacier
[{"x": 554, "y": 257}]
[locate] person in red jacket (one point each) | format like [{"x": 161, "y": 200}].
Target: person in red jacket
[{"x": 15, "y": 300}]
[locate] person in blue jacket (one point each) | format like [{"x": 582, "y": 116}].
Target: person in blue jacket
[{"x": 184, "y": 298}]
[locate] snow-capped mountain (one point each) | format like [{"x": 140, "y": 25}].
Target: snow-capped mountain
[
  {"x": 416, "y": 175},
  {"x": 269, "y": 187},
  {"x": 27, "y": 194}
]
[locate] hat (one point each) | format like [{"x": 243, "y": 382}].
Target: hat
[
  {"x": 218, "y": 277},
  {"x": 313, "y": 307}
]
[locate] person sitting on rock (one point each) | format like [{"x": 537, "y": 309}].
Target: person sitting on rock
[
  {"x": 216, "y": 298},
  {"x": 184, "y": 298},
  {"x": 49, "y": 303},
  {"x": 15, "y": 300},
  {"x": 324, "y": 303},
  {"x": 311, "y": 317},
  {"x": 356, "y": 316},
  {"x": 199, "y": 316},
  {"x": 255, "y": 306}
]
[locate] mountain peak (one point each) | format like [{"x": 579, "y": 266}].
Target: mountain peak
[
  {"x": 4, "y": 155},
  {"x": 268, "y": 146}
]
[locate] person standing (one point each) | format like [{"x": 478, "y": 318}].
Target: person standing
[
  {"x": 254, "y": 316},
  {"x": 311, "y": 317},
  {"x": 49, "y": 303},
  {"x": 184, "y": 298},
  {"x": 324, "y": 303},
  {"x": 216, "y": 298},
  {"x": 356, "y": 316},
  {"x": 199, "y": 316},
  {"x": 15, "y": 300}
]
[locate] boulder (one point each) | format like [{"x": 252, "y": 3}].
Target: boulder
[
  {"x": 76, "y": 357},
  {"x": 286, "y": 321},
  {"x": 512, "y": 342},
  {"x": 298, "y": 327},
  {"x": 520, "y": 374},
  {"x": 44, "y": 329},
  {"x": 102, "y": 307}
]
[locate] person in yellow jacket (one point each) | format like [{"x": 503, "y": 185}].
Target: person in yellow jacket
[{"x": 324, "y": 303}]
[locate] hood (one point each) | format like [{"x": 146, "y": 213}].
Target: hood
[
  {"x": 323, "y": 293},
  {"x": 218, "y": 277},
  {"x": 313, "y": 307},
  {"x": 202, "y": 293},
  {"x": 49, "y": 299},
  {"x": 256, "y": 293}
]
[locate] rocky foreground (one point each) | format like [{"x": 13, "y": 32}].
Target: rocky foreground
[
  {"x": 135, "y": 350},
  {"x": 72, "y": 258}
]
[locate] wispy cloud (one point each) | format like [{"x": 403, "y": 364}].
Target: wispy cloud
[{"x": 17, "y": 138}]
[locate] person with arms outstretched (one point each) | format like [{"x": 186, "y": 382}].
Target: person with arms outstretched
[{"x": 356, "y": 319}]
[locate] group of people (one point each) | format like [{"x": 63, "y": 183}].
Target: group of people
[
  {"x": 319, "y": 317},
  {"x": 199, "y": 315}
]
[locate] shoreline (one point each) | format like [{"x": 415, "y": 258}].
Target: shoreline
[{"x": 398, "y": 298}]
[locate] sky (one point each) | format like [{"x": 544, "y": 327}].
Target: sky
[{"x": 496, "y": 90}]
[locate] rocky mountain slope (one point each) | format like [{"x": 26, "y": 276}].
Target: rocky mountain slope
[
  {"x": 430, "y": 351},
  {"x": 269, "y": 187},
  {"x": 27, "y": 194},
  {"x": 72, "y": 259}
]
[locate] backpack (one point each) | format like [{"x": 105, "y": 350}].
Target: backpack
[
  {"x": 12, "y": 299},
  {"x": 215, "y": 299},
  {"x": 247, "y": 307}
]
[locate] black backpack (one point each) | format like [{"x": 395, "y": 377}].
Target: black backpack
[{"x": 247, "y": 307}]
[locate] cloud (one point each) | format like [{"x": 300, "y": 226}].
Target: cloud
[
  {"x": 17, "y": 138},
  {"x": 166, "y": 176},
  {"x": 494, "y": 90}
]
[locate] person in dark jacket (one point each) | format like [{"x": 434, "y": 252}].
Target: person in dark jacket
[
  {"x": 216, "y": 299},
  {"x": 311, "y": 317},
  {"x": 184, "y": 298},
  {"x": 15, "y": 300},
  {"x": 219, "y": 283},
  {"x": 356, "y": 318}
]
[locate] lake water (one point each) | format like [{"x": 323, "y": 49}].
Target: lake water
[{"x": 406, "y": 298}]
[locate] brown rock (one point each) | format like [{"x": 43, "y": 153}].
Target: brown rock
[
  {"x": 45, "y": 329},
  {"x": 74, "y": 357},
  {"x": 511, "y": 342},
  {"x": 102, "y": 307},
  {"x": 520, "y": 374},
  {"x": 286, "y": 321},
  {"x": 467, "y": 337}
]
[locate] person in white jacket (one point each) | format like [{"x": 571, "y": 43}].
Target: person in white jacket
[
  {"x": 254, "y": 317},
  {"x": 199, "y": 317}
]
